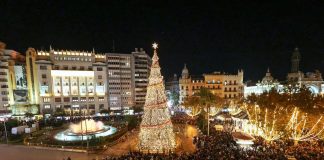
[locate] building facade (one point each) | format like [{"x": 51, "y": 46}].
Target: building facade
[
  {"x": 120, "y": 81},
  {"x": 265, "y": 85},
  {"x": 17, "y": 79},
  {"x": 227, "y": 86},
  {"x": 142, "y": 63},
  {"x": 312, "y": 80},
  {"x": 75, "y": 81}
]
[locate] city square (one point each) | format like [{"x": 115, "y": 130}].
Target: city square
[{"x": 207, "y": 81}]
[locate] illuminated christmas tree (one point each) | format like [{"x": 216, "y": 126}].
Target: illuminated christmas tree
[{"x": 156, "y": 133}]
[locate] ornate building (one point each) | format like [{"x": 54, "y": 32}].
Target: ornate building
[
  {"x": 18, "y": 75},
  {"x": 77, "y": 82},
  {"x": 228, "y": 86},
  {"x": 265, "y": 85},
  {"x": 312, "y": 80}
]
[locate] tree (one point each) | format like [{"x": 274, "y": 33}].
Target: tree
[
  {"x": 156, "y": 129},
  {"x": 59, "y": 112},
  {"x": 204, "y": 100},
  {"x": 104, "y": 111},
  {"x": 174, "y": 96}
]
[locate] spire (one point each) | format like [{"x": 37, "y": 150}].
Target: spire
[
  {"x": 93, "y": 50},
  {"x": 185, "y": 72},
  {"x": 51, "y": 47},
  {"x": 268, "y": 70},
  {"x": 295, "y": 59}
]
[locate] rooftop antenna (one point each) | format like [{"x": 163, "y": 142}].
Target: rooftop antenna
[{"x": 113, "y": 46}]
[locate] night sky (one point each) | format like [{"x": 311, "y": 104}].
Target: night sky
[{"x": 207, "y": 36}]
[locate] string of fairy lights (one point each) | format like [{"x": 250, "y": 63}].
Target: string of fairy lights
[
  {"x": 293, "y": 124},
  {"x": 156, "y": 130}
]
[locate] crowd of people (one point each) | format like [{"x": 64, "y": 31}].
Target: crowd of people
[
  {"x": 221, "y": 145},
  {"x": 182, "y": 118}
]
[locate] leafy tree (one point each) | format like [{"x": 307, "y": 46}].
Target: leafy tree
[
  {"x": 104, "y": 111},
  {"x": 174, "y": 96},
  {"x": 203, "y": 100},
  {"x": 59, "y": 112}
]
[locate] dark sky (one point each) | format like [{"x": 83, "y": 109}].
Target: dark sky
[{"x": 215, "y": 36}]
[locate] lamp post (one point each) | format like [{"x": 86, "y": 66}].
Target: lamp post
[{"x": 4, "y": 123}]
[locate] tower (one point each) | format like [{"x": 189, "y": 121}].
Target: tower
[
  {"x": 156, "y": 129},
  {"x": 185, "y": 72},
  {"x": 295, "y": 59}
]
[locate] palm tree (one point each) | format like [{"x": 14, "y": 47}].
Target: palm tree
[{"x": 203, "y": 100}]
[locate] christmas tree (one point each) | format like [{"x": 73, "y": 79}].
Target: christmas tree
[{"x": 156, "y": 132}]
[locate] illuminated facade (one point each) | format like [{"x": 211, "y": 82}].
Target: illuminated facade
[
  {"x": 228, "y": 86},
  {"x": 75, "y": 81},
  {"x": 267, "y": 83},
  {"x": 120, "y": 81},
  {"x": 17, "y": 74},
  {"x": 312, "y": 80},
  {"x": 142, "y": 64}
]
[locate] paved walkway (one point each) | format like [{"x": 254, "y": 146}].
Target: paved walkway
[
  {"x": 185, "y": 134},
  {"x": 18, "y": 152}
]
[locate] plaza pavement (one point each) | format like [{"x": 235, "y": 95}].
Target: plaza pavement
[{"x": 185, "y": 134}]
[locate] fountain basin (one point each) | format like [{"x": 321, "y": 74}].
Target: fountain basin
[{"x": 77, "y": 133}]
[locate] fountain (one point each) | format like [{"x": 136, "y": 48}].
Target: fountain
[{"x": 86, "y": 129}]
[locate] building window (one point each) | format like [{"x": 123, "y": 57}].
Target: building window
[
  {"x": 4, "y": 92},
  {"x": 99, "y": 69},
  {"x": 101, "y": 99},
  {"x": 75, "y": 99},
  {"x": 90, "y": 68},
  {"x": 83, "y": 99},
  {"x": 3, "y": 80},
  {"x": 66, "y": 99},
  {"x": 73, "y": 67},
  {"x": 99, "y": 76},
  {"x": 47, "y": 106},
  {"x": 43, "y": 67},
  {"x": 56, "y": 67},
  {"x": 43, "y": 75},
  {"x": 81, "y": 67},
  {"x": 101, "y": 106},
  {"x": 58, "y": 99},
  {"x": 4, "y": 86},
  {"x": 91, "y": 99},
  {"x": 5, "y": 99},
  {"x": 46, "y": 99},
  {"x": 65, "y": 67}
]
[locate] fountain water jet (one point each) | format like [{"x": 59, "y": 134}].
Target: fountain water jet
[{"x": 86, "y": 129}]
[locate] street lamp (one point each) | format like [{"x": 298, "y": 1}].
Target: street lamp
[{"x": 4, "y": 123}]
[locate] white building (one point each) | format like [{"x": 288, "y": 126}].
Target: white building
[
  {"x": 267, "y": 83},
  {"x": 75, "y": 81}
]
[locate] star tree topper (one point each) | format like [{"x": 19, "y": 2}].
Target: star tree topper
[{"x": 155, "y": 45}]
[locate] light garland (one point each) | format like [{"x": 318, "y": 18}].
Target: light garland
[
  {"x": 297, "y": 127},
  {"x": 264, "y": 129},
  {"x": 156, "y": 132}
]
